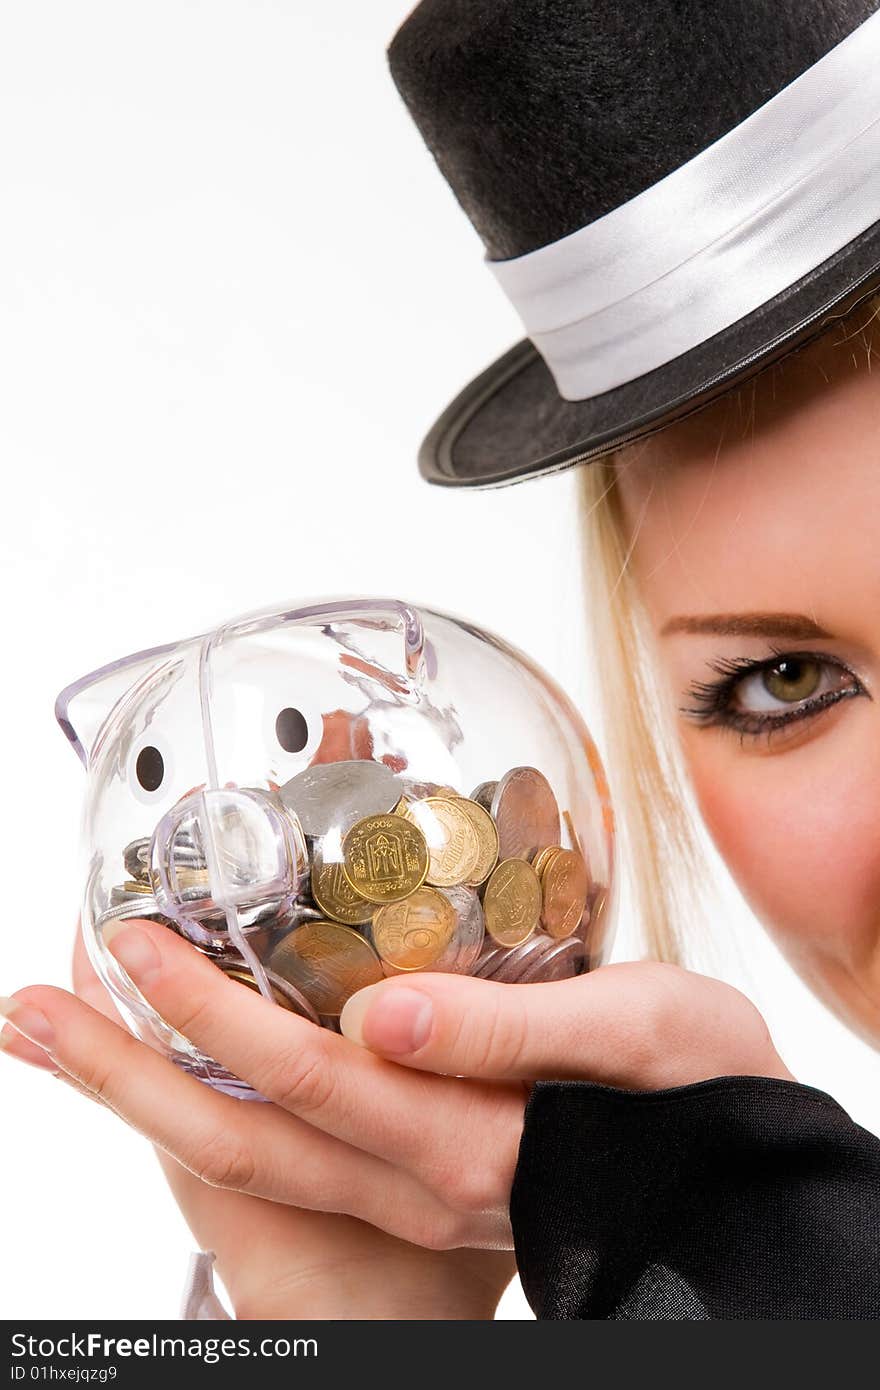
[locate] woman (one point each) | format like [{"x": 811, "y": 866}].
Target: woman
[{"x": 670, "y": 1165}]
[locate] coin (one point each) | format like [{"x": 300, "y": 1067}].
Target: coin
[
  {"x": 525, "y": 813},
  {"x": 560, "y": 962},
  {"x": 334, "y": 894},
  {"x": 483, "y": 794},
  {"x": 541, "y": 860},
  {"x": 385, "y": 858},
  {"x": 489, "y": 958},
  {"x": 413, "y": 934},
  {"x": 420, "y": 791},
  {"x": 136, "y": 858},
  {"x": 326, "y": 962},
  {"x": 513, "y": 962},
  {"x": 512, "y": 902},
  {"x": 466, "y": 945},
  {"x": 283, "y": 992},
  {"x": 564, "y": 885},
  {"x": 483, "y": 827},
  {"x": 333, "y": 796},
  {"x": 453, "y": 844}
]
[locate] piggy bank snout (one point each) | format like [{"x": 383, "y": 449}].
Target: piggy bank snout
[{"x": 222, "y": 849}]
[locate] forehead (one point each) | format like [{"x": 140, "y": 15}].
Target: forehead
[{"x": 769, "y": 499}]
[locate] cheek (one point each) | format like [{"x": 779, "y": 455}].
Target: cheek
[{"x": 798, "y": 832}]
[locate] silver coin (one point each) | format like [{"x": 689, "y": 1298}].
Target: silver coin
[
  {"x": 136, "y": 858},
  {"x": 487, "y": 961},
  {"x": 561, "y": 962},
  {"x": 525, "y": 813},
  {"x": 483, "y": 795},
  {"x": 333, "y": 796},
  {"x": 124, "y": 905},
  {"x": 510, "y": 968},
  {"x": 466, "y": 944}
]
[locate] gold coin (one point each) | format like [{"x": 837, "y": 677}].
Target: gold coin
[
  {"x": 564, "y": 886},
  {"x": 512, "y": 902},
  {"x": 335, "y": 896},
  {"x": 483, "y": 827},
  {"x": 385, "y": 858},
  {"x": 413, "y": 934},
  {"x": 327, "y": 963},
  {"x": 283, "y": 993},
  {"x": 452, "y": 840},
  {"x": 132, "y": 885},
  {"x": 542, "y": 859}
]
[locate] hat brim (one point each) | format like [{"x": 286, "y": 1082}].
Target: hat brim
[{"x": 510, "y": 423}]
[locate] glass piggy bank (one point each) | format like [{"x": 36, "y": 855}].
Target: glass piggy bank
[{"x": 319, "y": 797}]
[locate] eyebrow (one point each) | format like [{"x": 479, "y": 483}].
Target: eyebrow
[{"x": 792, "y": 625}]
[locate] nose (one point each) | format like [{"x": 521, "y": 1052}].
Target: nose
[{"x": 221, "y": 852}]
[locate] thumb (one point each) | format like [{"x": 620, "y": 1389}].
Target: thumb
[
  {"x": 642, "y": 1025},
  {"x": 461, "y": 1026}
]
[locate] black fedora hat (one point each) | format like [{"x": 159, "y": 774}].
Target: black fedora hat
[{"x": 673, "y": 194}]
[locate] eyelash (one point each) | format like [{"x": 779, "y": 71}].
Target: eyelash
[{"x": 712, "y": 698}]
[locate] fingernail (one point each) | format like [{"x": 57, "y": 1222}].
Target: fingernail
[
  {"x": 18, "y": 1047},
  {"x": 135, "y": 952},
  {"x": 29, "y": 1022},
  {"x": 392, "y": 1021}
]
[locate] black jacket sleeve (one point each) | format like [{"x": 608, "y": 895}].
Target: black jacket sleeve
[{"x": 740, "y": 1197}]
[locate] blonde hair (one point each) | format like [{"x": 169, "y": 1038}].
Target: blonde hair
[{"x": 665, "y": 859}]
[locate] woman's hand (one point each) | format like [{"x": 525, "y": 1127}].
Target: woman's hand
[
  {"x": 277, "y": 1261},
  {"x": 427, "y": 1158}
]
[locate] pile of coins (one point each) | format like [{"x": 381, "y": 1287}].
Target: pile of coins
[{"x": 399, "y": 876}]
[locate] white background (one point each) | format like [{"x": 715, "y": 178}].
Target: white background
[{"x": 234, "y": 291}]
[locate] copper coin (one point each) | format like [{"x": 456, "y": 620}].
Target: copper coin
[
  {"x": 512, "y": 902},
  {"x": 525, "y": 813},
  {"x": 415, "y": 933},
  {"x": 327, "y": 963},
  {"x": 385, "y": 858},
  {"x": 564, "y": 884}
]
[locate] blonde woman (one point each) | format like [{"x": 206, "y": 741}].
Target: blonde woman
[{"x": 666, "y": 1164}]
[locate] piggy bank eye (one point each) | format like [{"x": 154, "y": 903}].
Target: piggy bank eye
[
  {"x": 149, "y": 768},
  {"x": 292, "y": 730}
]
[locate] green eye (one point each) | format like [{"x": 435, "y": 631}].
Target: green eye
[{"x": 794, "y": 679}]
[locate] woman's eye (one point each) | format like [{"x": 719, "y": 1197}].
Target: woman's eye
[
  {"x": 787, "y": 682},
  {"x": 150, "y": 768},
  {"x": 292, "y": 730},
  {"x": 755, "y": 697}
]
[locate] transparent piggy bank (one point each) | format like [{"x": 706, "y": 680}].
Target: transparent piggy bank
[{"x": 320, "y": 797}]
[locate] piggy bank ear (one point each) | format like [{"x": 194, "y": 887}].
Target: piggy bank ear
[{"x": 82, "y": 707}]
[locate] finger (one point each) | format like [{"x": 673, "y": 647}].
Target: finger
[
  {"x": 627, "y": 1025},
  {"x": 227, "y": 1143},
  {"x": 14, "y": 1045},
  {"x": 86, "y": 984},
  {"x": 343, "y": 1090}
]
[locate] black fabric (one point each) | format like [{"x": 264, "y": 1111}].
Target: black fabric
[
  {"x": 545, "y": 114},
  {"x": 739, "y": 1198}
]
